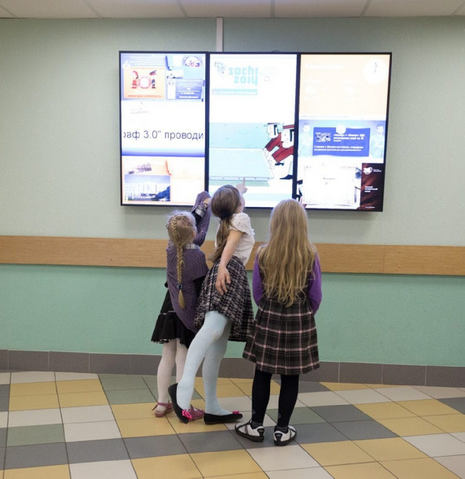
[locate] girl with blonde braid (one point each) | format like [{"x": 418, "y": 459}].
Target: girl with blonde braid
[{"x": 186, "y": 269}]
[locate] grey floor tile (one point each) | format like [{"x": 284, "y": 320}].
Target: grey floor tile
[
  {"x": 130, "y": 396},
  {"x": 323, "y": 432},
  {"x": 151, "y": 382},
  {"x": 357, "y": 430},
  {"x": 247, "y": 444},
  {"x": 153, "y": 446},
  {"x": 456, "y": 403},
  {"x": 2, "y": 458},
  {"x": 3, "y": 437},
  {"x": 4, "y": 390},
  {"x": 300, "y": 415},
  {"x": 341, "y": 413},
  {"x": 210, "y": 442},
  {"x": 27, "y": 435},
  {"x": 4, "y": 402},
  {"x": 311, "y": 387},
  {"x": 102, "y": 450},
  {"x": 115, "y": 382},
  {"x": 36, "y": 455}
]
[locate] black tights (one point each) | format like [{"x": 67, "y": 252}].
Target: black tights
[{"x": 261, "y": 396}]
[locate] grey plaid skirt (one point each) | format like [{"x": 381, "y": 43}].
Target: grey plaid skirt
[
  {"x": 284, "y": 340},
  {"x": 235, "y": 304}
]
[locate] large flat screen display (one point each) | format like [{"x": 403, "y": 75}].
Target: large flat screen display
[
  {"x": 251, "y": 124},
  {"x": 342, "y": 130},
  {"x": 162, "y": 127}
]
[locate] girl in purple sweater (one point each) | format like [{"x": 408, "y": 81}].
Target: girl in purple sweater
[
  {"x": 186, "y": 269},
  {"x": 287, "y": 290}
]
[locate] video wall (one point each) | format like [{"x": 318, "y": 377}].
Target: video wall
[{"x": 308, "y": 126}]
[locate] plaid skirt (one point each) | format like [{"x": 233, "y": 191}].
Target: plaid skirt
[
  {"x": 235, "y": 304},
  {"x": 284, "y": 340}
]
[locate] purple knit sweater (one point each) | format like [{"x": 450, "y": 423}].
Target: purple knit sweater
[{"x": 195, "y": 267}]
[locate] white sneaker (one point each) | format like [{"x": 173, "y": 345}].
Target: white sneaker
[
  {"x": 282, "y": 438},
  {"x": 255, "y": 434}
]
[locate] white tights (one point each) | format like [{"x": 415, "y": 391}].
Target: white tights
[
  {"x": 173, "y": 353},
  {"x": 209, "y": 344}
]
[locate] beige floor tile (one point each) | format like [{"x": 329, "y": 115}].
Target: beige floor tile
[
  {"x": 103, "y": 470},
  {"x": 436, "y": 445},
  {"x": 49, "y": 472},
  {"x": 337, "y": 453},
  {"x": 456, "y": 464},
  {"x": 370, "y": 470},
  {"x": 133, "y": 411},
  {"x": 32, "y": 389},
  {"x": 389, "y": 449},
  {"x": 3, "y": 418},
  {"x": 37, "y": 417},
  {"x": 246, "y": 386},
  {"x": 441, "y": 392},
  {"x": 216, "y": 463},
  {"x": 276, "y": 458},
  {"x": 402, "y": 393},
  {"x": 385, "y": 410},
  {"x": 321, "y": 398},
  {"x": 32, "y": 376},
  {"x": 24, "y": 403},
  {"x": 448, "y": 423},
  {"x": 179, "y": 466},
  {"x": 410, "y": 426},
  {"x": 83, "y": 399},
  {"x": 82, "y": 385},
  {"x": 308, "y": 473},
  {"x": 427, "y": 407},
  {"x": 87, "y": 414},
  {"x": 145, "y": 427},
  {"x": 91, "y": 431},
  {"x": 72, "y": 376},
  {"x": 5, "y": 378},
  {"x": 362, "y": 396},
  {"x": 249, "y": 475},
  {"x": 418, "y": 469}
]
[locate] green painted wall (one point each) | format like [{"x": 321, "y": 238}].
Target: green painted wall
[
  {"x": 363, "y": 318},
  {"x": 59, "y": 175}
]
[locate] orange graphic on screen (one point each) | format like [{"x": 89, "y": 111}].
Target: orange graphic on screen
[{"x": 143, "y": 82}]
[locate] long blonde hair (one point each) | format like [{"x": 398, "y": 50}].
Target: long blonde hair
[
  {"x": 225, "y": 202},
  {"x": 181, "y": 231},
  {"x": 287, "y": 259}
]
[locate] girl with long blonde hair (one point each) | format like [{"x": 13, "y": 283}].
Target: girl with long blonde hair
[
  {"x": 224, "y": 309},
  {"x": 287, "y": 290}
]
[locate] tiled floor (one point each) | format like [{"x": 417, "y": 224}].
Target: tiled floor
[{"x": 86, "y": 426}]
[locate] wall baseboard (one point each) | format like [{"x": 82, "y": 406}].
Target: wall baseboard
[{"x": 365, "y": 373}]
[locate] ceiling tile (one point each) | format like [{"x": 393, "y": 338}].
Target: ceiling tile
[
  {"x": 231, "y": 8},
  {"x": 4, "y": 13},
  {"x": 416, "y": 8},
  {"x": 319, "y": 8},
  {"x": 137, "y": 8},
  {"x": 48, "y": 8}
]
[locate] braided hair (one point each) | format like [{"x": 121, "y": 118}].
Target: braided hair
[{"x": 181, "y": 231}]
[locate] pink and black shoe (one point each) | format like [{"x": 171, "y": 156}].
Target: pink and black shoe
[
  {"x": 184, "y": 415},
  {"x": 222, "y": 418}
]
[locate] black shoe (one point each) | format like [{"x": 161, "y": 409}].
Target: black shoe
[
  {"x": 177, "y": 409},
  {"x": 222, "y": 418}
]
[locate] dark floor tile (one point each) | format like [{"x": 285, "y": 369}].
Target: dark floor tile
[
  {"x": 29, "y": 360},
  {"x": 122, "y": 382},
  {"x": 210, "y": 442},
  {"x": 4, "y": 403},
  {"x": 69, "y": 362},
  {"x": 2, "y": 458},
  {"x": 154, "y": 446},
  {"x": 36, "y": 455},
  {"x": 341, "y": 413},
  {"x": 357, "y": 430},
  {"x": 28, "y": 435},
  {"x": 311, "y": 387},
  {"x": 248, "y": 444},
  {"x": 300, "y": 415},
  {"x": 91, "y": 451},
  {"x": 361, "y": 373},
  {"x": 402, "y": 374},
  {"x": 2, "y": 437},
  {"x": 4, "y": 390},
  {"x": 456, "y": 403},
  {"x": 323, "y": 432}
]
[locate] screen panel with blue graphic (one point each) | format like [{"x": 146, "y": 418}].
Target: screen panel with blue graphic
[{"x": 251, "y": 124}]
